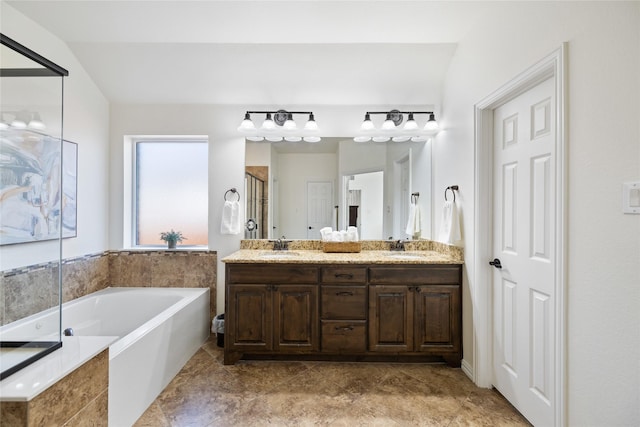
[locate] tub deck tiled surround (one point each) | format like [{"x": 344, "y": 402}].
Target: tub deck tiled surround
[
  {"x": 32, "y": 289},
  {"x": 207, "y": 393},
  {"x": 64, "y": 394}
]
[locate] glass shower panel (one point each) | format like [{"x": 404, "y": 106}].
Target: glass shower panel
[{"x": 31, "y": 205}]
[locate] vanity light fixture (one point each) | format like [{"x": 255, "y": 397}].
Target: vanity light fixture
[
  {"x": 21, "y": 120},
  {"x": 279, "y": 125},
  {"x": 391, "y": 129}
]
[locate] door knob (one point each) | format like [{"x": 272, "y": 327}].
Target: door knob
[{"x": 496, "y": 263}]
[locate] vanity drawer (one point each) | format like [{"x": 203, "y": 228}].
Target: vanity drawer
[
  {"x": 344, "y": 302},
  {"x": 344, "y": 275},
  {"x": 278, "y": 274},
  {"x": 432, "y": 274},
  {"x": 344, "y": 336}
]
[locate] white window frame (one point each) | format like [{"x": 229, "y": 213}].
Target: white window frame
[{"x": 131, "y": 185}]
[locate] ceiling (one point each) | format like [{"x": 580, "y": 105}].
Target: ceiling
[{"x": 262, "y": 52}]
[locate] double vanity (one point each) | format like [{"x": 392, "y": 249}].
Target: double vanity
[{"x": 376, "y": 304}]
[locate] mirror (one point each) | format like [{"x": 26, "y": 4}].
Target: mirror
[{"x": 336, "y": 182}]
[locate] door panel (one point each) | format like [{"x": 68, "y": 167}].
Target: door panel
[
  {"x": 390, "y": 319},
  {"x": 437, "y": 320},
  {"x": 296, "y": 318},
  {"x": 319, "y": 207},
  {"x": 524, "y": 165},
  {"x": 250, "y": 327}
]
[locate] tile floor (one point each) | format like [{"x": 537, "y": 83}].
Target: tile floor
[{"x": 259, "y": 393}]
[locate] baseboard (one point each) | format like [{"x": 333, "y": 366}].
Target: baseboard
[{"x": 467, "y": 368}]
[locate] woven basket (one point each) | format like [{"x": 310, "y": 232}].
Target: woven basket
[{"x": 341, "y": 247}]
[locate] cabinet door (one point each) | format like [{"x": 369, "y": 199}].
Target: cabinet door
[
  {"x": 250, "y": 326},
  {"x": 296, "y": 318},
  {"x": 390, "y": 318},
  {"x": 437, "y": 318}
]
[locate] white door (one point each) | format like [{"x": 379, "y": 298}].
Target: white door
[
  {"x": 319, "y": 207},
  {"x": 523, "y": 236}
]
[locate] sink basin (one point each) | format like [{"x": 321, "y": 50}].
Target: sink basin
[
  {"x": 404, "y": 255},
  {"x": 278, "y": 255}
]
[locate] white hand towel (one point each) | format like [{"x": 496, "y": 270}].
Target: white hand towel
[
  {"x": 450, "y": 225},
  {"x": 231, "y": 222},
  {"x": 414, "y": 223}
]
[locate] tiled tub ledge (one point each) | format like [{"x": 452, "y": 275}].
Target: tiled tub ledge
[{"x": 69, "y": 385}]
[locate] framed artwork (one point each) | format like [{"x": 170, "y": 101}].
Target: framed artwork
[{"x": 37, "y": 197}]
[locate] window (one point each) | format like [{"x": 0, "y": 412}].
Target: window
[{"x": 170, "y": 191}]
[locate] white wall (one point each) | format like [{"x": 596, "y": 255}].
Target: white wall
[
  {"x": 86, "y": 122},
  {"x": 603, "y": 291},
  {"x": 421, "y": 182},
  {"x": 370, "y": 216},
  {"x": 294, "y": 171},
  {"x": 226, "y": 162}
]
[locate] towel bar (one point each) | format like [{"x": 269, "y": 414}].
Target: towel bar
[
  {"x": 233, "y": 191},
  {"x": 453, "y": 189}
]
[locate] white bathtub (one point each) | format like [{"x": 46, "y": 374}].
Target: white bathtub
[{"x": 159, "y": 329}]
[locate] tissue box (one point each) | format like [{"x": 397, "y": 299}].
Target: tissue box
[{"x": 341, "y": 247}]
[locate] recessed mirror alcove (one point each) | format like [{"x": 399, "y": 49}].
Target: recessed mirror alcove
[{"x": 336, "y": 183}]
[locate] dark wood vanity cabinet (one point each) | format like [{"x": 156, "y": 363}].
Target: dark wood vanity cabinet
[
  {"x": 271, "y": 310},
  {"x": 362, "y": 310},
  {"x": 416, "y": 309}
]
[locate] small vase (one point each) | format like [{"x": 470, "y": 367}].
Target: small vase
[{"x": 171, "y": 244}]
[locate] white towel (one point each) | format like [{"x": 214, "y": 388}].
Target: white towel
[
  {"x": 414, "y": 223},
  {"x": 450, "y": 225},
  {"x": 231, "y": 222}
]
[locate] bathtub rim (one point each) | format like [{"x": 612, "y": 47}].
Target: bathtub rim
[{"x": 28, "y": 383}]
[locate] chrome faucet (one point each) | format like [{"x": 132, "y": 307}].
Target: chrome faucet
[
  {"x": 398, "y": 245},
  {"x": 280, "y": 244}
]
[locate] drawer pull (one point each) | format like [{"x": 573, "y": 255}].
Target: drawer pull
[
  {"x": 344, "y": 328},
  {"x": 344, "y": 276},
  {"x": 344, "y": 294}
]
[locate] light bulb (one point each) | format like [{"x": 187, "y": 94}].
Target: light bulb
[
  {"x": 362, "y": 139},
  {"x": 36, "y": 122},
  {"x": 311, "y": 124},
  {"x": 273, "y": 138},
  {"x": 400, "y": 138},
  {"x": 246, "y": 125},
  {"x": 312, "y": 139},
  {"x": 431, "y": 125},
  {"x": 293, "y": 138},
  {"x": 268, "y": 124},
  {"x": 289, "y": 125},
  {"x": 18, "y": 123},
  {"x": 255, "y": 138},
  {"x": 388, "y": 123},
  {"x": 367, "y": 125},
  {"x": 411, "y": 124},
  {"x": 380, "y": 138},
  {"x": 418, "y": 138}
]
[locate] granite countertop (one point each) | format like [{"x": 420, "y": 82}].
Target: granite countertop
[
  {"x": 251, "y": 256},
  {"x": 373, "y": 252}
]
